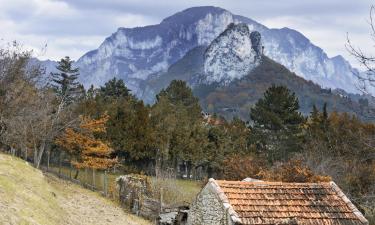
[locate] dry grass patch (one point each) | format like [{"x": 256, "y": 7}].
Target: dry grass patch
[{"x": 29, "y": 197}]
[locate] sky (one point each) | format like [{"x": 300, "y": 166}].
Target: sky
[{"x": 74, "y": 27}]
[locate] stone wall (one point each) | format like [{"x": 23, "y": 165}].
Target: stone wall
[
  {"x": 135, "y": 196},
  {"x": 208, "y": 209}
]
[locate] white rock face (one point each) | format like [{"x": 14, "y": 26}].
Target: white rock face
[
  {"x": 230, "y": 56},
  {"x": 211, "y": 26},
  {"x": 135, "y": 54}
]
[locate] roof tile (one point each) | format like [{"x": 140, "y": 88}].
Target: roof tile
[{"x": 286, "y": 203}]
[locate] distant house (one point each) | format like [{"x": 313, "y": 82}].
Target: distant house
[{"x": 257, "y": 202}]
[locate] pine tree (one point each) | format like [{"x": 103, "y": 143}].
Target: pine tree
[
  {"x": 65, "y": 81},
  {"x": 277, "y": 122},
  {"x": 179, "y": 93},
  {"x": 176, "y": 118},
  {"x": 114, "y": 88},
  {"x": 315, "y": 115},
  {"x": 324, "y": 118}
]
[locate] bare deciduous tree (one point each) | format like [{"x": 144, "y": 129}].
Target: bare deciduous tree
[
  {"x": 31, "y": 115},
  {"x": 366, "y": 60}
]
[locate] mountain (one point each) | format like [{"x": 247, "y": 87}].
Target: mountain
[
  {"x": 236, "y": 98},
  {"x": 232, "y": 54},
  {"x": 229, "y": 79},
  {"x": 139, "y": 54}
]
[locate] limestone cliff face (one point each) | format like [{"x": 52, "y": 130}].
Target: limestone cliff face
[
  {"x": 137, "y": 54},
  {"x": 232, "y": 55}
]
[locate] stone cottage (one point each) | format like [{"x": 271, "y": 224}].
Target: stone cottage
[{"x": 257, "y": 202}]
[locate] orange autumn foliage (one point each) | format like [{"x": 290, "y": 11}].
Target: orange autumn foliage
[
  {"x": 87, "y": 151},
  {"x": 238, "y": 167},
  {"x": 292, "y": 171}
]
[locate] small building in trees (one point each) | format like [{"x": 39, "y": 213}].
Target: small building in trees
[{"x": 257, "y": 202}]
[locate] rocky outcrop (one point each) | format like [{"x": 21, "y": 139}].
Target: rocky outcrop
[
  {"x": 232, "y": 55},
  {"x": 136, "y": 54}
]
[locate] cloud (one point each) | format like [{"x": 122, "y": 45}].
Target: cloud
[{"x": 73, "y": 27}]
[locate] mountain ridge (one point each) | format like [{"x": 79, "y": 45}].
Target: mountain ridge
[{"x": 135, "y": 54}]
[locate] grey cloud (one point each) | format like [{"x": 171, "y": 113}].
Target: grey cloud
[{"x": 101, "y": 18}]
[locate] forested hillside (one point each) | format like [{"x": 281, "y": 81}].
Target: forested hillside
[
  {"x": 239, "y": 96},
  {"x": 236, "y": 98}
]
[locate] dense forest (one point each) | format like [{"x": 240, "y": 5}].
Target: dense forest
[{"x": 107, "y": 126}]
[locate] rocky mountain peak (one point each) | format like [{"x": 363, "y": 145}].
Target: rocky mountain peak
[
  {"x": 233, "y": 54},
  {"x": 142, "y": 53}
]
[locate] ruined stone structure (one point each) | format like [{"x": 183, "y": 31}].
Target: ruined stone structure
[
  {"x": 258, "y": 202},
  {"x": 136, "y": 196}
]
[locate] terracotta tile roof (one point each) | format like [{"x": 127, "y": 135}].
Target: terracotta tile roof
[{"x": 288, "y": 203}]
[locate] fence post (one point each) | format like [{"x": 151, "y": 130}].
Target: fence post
[
  {"x": 93, "y": 178},
  {"x": 86, "y": 182},
  {"x": 70, "y": 167},
  {"x": 161, "y": 200},
  {"x": 48, "y": 157},
  {"x": 60, "y": 164},
  {"x": 105, "y": 184}
]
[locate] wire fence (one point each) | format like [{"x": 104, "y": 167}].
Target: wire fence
[
  {"x": 176, "y": 191},
  {"x": 102, "y": 181},
  {"x": 59, "y": 164}
]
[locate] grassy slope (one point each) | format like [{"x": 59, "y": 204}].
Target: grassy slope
[
  {"x": 175, "y": 191},
  {"x": 29, "y": 197},
  {"x": 25, "y": 196}
]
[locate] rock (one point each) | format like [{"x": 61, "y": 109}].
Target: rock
[{"x": 232, "y": 55}]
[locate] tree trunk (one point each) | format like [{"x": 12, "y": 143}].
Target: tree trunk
[
  {"x": 39, "y": 155},
  {"x": 12, "y": 151},
  {"x": 188, "y": 166},
  {"x": 35, "y": 157},
  {"x": 186, "y": 170},
  {"x": 157, "y": 164},
  {"x": 25, "y": 152},
  {"x": 76, "y": 175}
]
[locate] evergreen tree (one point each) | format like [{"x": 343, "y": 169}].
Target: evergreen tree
[
  {"x": 315, "y": 115},
  {"x": 178, "y": 93},
  {"x": 115, "y": 88},
  {"x": 324, "y": 118},
  {"x": 65, "y": 81},
  {"x": 177, "y": 120},
  {"x": 277, "y": 122}
]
